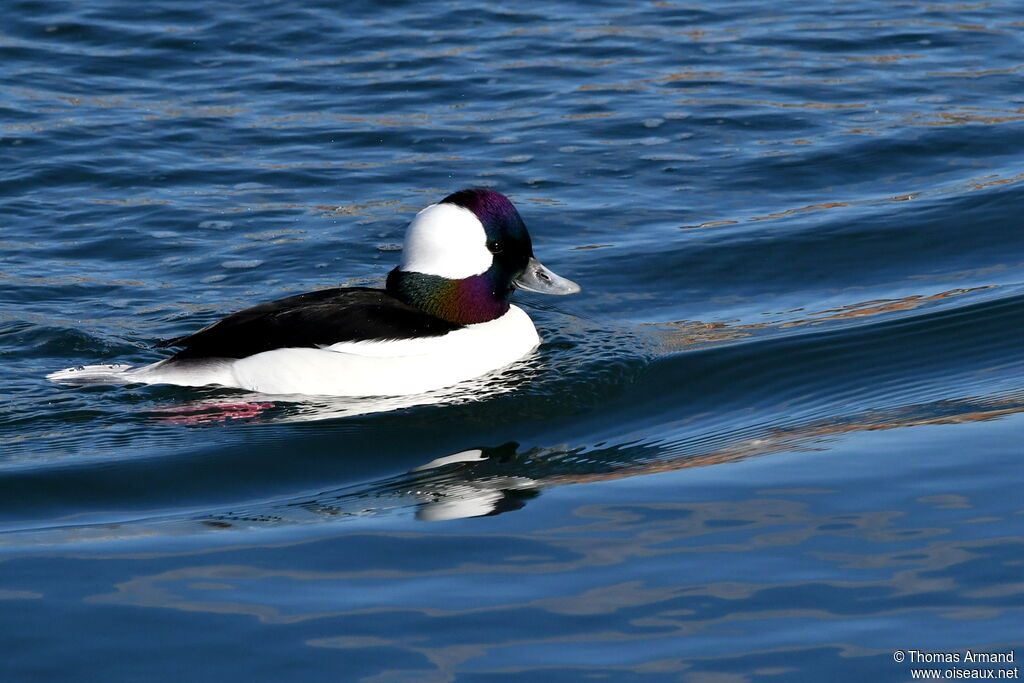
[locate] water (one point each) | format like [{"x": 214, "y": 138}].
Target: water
[{"x": 777, "y": 437}]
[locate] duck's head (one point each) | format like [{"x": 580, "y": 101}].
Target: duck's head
[{"x": 464, "y": 256}]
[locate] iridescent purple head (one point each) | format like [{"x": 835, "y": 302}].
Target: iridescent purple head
[{"x": 465, "y": 255}]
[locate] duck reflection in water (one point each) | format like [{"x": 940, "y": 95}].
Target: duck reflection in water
[
  {"x": 477, "y": 482},
  {"x": 483, "y": 481},
  {"x": 486, "y": 481}
]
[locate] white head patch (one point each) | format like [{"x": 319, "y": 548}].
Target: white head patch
[{"x": 446, "y": 240}]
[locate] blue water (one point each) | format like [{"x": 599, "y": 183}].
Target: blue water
[{"x": 777, "y": 437}]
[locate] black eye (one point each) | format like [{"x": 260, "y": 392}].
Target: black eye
[{"x": 493, "y": 247}]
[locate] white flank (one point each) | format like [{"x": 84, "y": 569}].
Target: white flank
[
  {"x": 391, "y": 368},
  {"x": 385, "y": 368},
  {"x": 196, "y": 372},
  {"x": 446, "y": 240}
]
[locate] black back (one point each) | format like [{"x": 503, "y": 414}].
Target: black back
[{"x": 314, "y": 319}]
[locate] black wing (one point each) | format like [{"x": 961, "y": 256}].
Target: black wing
[{"x": 313, "y": 319}]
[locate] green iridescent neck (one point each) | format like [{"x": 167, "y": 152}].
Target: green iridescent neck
[{"x": 475, "y": 299}]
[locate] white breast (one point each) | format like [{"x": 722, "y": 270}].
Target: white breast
[{"x": 389, "y": 368}]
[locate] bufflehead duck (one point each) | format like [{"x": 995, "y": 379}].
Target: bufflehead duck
[{"x": 443, "y": 318}]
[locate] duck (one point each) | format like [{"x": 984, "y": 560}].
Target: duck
[{"x": 443, "y": 317}]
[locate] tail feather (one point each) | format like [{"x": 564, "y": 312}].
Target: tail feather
[{"x": 112, "y": 373}]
